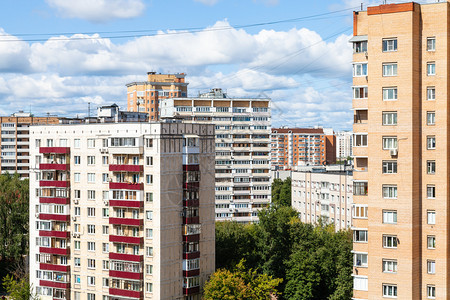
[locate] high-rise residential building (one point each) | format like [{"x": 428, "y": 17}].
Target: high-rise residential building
[
  {"x": 121, "y": 210},
  {"x": 344, "y": 143},
  {"x": 242, "y": 149},
  {"x": 302, "y": 146},
  {"x": 145, "y": 96},
  {"x": 15, "y": 137},
  {"x": 323, "y": 193},
  {"x": 401, "y": 149}
]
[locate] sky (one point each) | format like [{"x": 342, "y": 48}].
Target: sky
[{"x": 56, "y": 56}]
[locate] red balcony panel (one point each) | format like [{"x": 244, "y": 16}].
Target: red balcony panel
[
  {"x": 52, "y": 267},
  {"x": 191, "y": 167},
  {"x": 57, "y": 150},
  {"x": 191, "y": 238},
  {"x": 127, "y": 275},
  {"x": 191, "y": 291},
  {"x": 126, "y": 239},
  {"x": 126, "y": 203},
  {"x": 55, "y": 200},
  {"x": 59, "y": 167},
  {"x": 126, "y": 257},
  {"x": 191, "y": 273},
  {"x": 191, "y": 255},
  {"x": 57, "y": 251},
  {"x": 124, "y": 221},
  {"x": 54, "y": 183},
  {"x": 54, "y": 233},
  {"x": 54, "y": 284},
  {"x": 54, "y": 217},
  {"x": 191, "y": 185},
  {"x": 191, "y": 220},
  {"x": 191, "y": 203},
  {"x": 126, "y": 168},
  {"x": 125, "y": 293},
  {"x": 126, "y": 186}
]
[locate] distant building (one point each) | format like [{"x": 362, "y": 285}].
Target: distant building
[
  {"x": 302, "y": 146},
  {"x": 327, "y": 193},
  {"x": 145, "y": 96},
  {"x": 344, "y": 144}
]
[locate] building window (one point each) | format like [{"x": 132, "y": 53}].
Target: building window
[
  {"x": 106, "y": 284},
  {"x": 431, "y": 242},
  {"x": 431, "y": 142},
  {"x": 360, "y": 188},
  {"x": 91, "y": 229},
  {"x": 390, "y": 69},
  {"x": 149, "y": 215},
  {"x": 91, "y": 177},
  {"x": 105, "y": 177},
  {"x": 431, "y": 117},
  {"x": 390, "y": 94},
  {"x": 91, "y": 143},
  {"x": 431, "y": 44},
  {"x": 105, "y": 160},
  {"x": 149, "y": 179},
  {"x": 91, "y": 195},
  {"x": 149, "y": 251},
  {"x": 91, "y": 263},
  {"x": 105, "y": 265},
  {"x": 431, "y": 93},
  {"x": 390, "y": 290},
  {"x": 389, "y": 167},
  {"x": 360, "y": 92},
  {"x": 389, "y": 266},
  {"x": 389, "y": 45},
  {"x": 431, "y": 166},
  {"x": 431, "y": 291},
  {"x": 431, "y": 68},
  {"x": 360, "y": 259},
  {"x": 77, "y": 160},
  {"x": 149, "y": 160},
  {"x": 91, "y": 160},
  {"x": 360, "y": 236},
  {"x": 77, "y": 262},
  {"x": 148, "y": 197},
  {"x": 360, "y": 140},
  {"x": 77, "y": 211},
  {"x": 431, "y": 191},
  {"x": 359, "y": 69},
  {"x": 431, "y": 266},
  {"x": 390, "y": 191},
  {"x": 77, "y": 245},
  {"x": 149, "y": 269},
  {"x": 91, "y": 246},
  {"x": 360, "y": 212},
  {"x": 105, "y": 212},
  {"x": 359, "y": 47},
  {"x": 389, "y": 143},
  {"x": 76, "y": 177},
  {"x": 91, "y": 296},
  {"x": 390, "y": 241},
  {"x": 91, "y": 211},
  {"x": 360, "y": 283},
  {"x": 431, "y": 217},
  {"x": 105, "y": 247},
  {"x": 389, "y": 216},
  {"x": 105, "y": 229},
  {"x": 389, "y": 118}
]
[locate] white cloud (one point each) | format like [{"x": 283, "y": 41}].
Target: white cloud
[
  {"x": 207, "y": 2},
  {"x": 98, "y": 10}
]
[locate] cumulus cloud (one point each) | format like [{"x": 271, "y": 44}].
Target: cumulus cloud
[{"x": 98, "y": 10}]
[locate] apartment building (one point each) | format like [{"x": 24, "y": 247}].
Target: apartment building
[
  {"x": 318, "y": 193},
  {"x": 242, "y": 149},
  {"x": 15, "y": 136},
  {"x": 145, "y": 96},
  {"x": 401, "y": 150},
  {"x": 301, "y": 146},
  {"x": 121, "y": 210},
  {"x": 344, "y": 143}
]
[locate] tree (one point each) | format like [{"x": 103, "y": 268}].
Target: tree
[
  {"x": 19, "y": 289},
  {"x": 281, "y": 192},
  {"x": 241, "y": 283}
]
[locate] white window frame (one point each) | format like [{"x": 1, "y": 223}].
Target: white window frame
[
  {"x": 431, "y": 242},
  {"x": 389, "y": 118},
  {"x": 431, "y": 217},
  {"x": 389, "y": 266},
  {"x": 431, "y": 142},
  {"x": 389, "y": 45},
  {"x": 390, "y": 69},
  {"x": 389, "y": 167},
  {"x": 431, "y": 118},
  {"x": 389, "y": 217},
  {"x": 389, "y": 191},
  {"x": 360, "y": 69},
  {"x": 390, "y": 241},
  {"x": 431, "y": 93},
  {"x": 431, "y": 43},
  {"x": 431, "y": 68}
]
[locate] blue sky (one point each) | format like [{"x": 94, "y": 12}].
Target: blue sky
[{"x": 52, "y": 58}]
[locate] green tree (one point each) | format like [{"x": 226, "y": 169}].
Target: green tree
[
  {"x": 281, "y": 192},
  {"x": 19, "y": 289},
  {"x": 240, "y": 284}
]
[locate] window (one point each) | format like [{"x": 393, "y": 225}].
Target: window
[
  {"x": 431, "y": 166},
  {"x": 77, "y": 211},
  {"x": 149, "y": 269},
  {"x": 431, "y": 117},
  {"x": 149, "y": 287},
  {"x": 91, "y": 263},
  {"x": 105, "y": 247},
  {"x": 91, "y": 281},
  {"x": 91, "y": 211},
  {"x": 360, "y": 188},
  {"x": 360, "y": 236},
  {"x": 390, "y": 191},
  {"x": 390, "y": 94},
  {"x": 106, "y": 283},
  {"x": 431, "y": 242},
  {"x": 77, "y": 245},
  {"x": 105, "y": 212},
  {"x": 149, "y": 179},
  {"x": 77, "y": 194},
  {"x": 91, "y": 195},
  {"x": 76, "y": 143},
  {"x": 431, "y": 93},
  {"x": 360, "y": 92},
  {"x": 360, "y": 140},
  {"x": 431, "y": 68},
  {"x": 389, "y": 216},
  {"x": 105, "y": 265},
  {"x": 77, "y": 160},
  {"x": 359, "y": 47},
  {"x": 389, "y": 118},
  {"x": 431, "y": 44},
  {"x": 359, "y": 69},
  {"x": 76, "y": 177},
  {"x": 149, "y": 233},
  {"x": 360, "y": 259},
  {"x": 91, "y": 143},
  {"x": 77, "y": 261},
  {"x": 91, "y": 160},
  {"x": 390, "y": 241},
  {"x": 431, "y": 291},
  {"x": 149, "y": 251},
  {"x": 77, "y": 279},
  {"x": 431, "y": 217},
  {"x": 390, "y": 290},
  {"x": 390, "y": 69},
  {"x": 389, "y": 167},
  {"x": 360, "y": 283},
  {"x": 431, "y": 266},
  {"x": 91, "y": 229},
  {"x": 389, "y": 45},
  {"x": 105, "y": 177},
  {"x": 431, "y": 142},
  {"x": 105, "y": 160},
  {"x": 389, "y": 266},
  {"x": 149, "y": 215},
  {"x": 91, "y": 246},
  {"x": 148, "y": 197},
  {"x": 91, "y": 177},
  {"x": 431, "y": 191},
  {"x": 149, "y": 143},
  {"x": 360, "y": 212},
  {"x": 389, "y": 143},
  {"x": 149, "y": 160},
  {"x": 105, "y": 229}
]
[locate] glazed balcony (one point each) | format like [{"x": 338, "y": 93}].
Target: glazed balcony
[
  {"x": 127, "y": 275},
  {"x": 54, "y": 150},
  {"x": 53, "y": 267},
  {"x": 191, "y": 291},
  {"x": 191, "y": 220},
  {"x": 54, "y": 284},
  {"x": 54, "y": 233},
  {"x": 191, "y": 255},
  {"x": 55, "y": 200},
  {"x": 54, "y": 217},
  {"x": 191, "y": 185},
  {"x": 191, "y": 167},
  {"x": 126, "y": 221},
  {"x": 191, "y": 273},
  {"x": 126, "y": 168},
  {"x": 126, "y": 186},
  {"x": 191, "y": 238},
  {"x": 126, "y": 257},
  {"x": 126, "y": 293},
  {"x": 126, "y": 203},
  {"x": 54, "y": 183},
  {"x": 126, "y": 239},
  {"x": 58, "y": 167},
  {"x": 56, "y": 251}
]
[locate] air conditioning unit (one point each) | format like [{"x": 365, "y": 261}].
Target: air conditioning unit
[
  {"x": 75, "y": 201},
  {"x": 77, "y": 235},
  {"x": 366, "y": 54},
  {"x": 37, "y": 215},
  {"x": 106, "y": 202},
  {"x": 74, "y": 218},
  {"x": 74, "y": 234},
  {"x": 393, "y": 152}
]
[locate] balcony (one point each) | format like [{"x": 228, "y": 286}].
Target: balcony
[
  {"x": 126, "y": 257},
  {"x": 125, "y": 293},
  {"x": 126, "y": 239},
  {"x": 52, "y": 267},
  {"x": 56, "y": 200},
  {"x": 54, "y": 183},
  {"x": 56, "y": 150},
  {"x": 191, "y": 291},
  {"x": 191, "y": 273},
  {"x": 54, "y": 233},
  {"x": 191, "y": 185},
  {"x": 126, "y": 186},
  {"x": 56, "y": 251},
  {"x": 191, "y": 238},
  {"x": 191, "y": 167},
  {"x": 126, "y": 221},
  {"x": 191, "y": 255},
  {"x": 54, "y": 284},
  {"x": 191, "y": 220},
  {"x": 127, "y": 275},
  {"x": 126, "y": 168},
  {"x": 54, "y": 217},
  {"x": 191, "y": 202},
  {"x": 58, "y": 167}
]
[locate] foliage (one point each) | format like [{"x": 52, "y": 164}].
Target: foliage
[
  {"x": 281, "y": 192},
  {"x": 240, "y": 284},
  {"x": 19, "y": 289}
]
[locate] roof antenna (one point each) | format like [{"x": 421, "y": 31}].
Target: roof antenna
[
  {"x": 89, "y": 110},
  {"x": 361, "y": 6}
]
